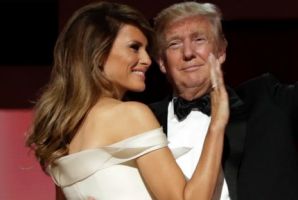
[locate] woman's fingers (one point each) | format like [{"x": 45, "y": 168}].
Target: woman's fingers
[
  {"x": 213, "y": 70},
  {"x": 216, "y": 75},
  {"x": 219, "y": 97}
]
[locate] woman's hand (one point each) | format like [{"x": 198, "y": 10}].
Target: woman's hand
[{"x": 219, "y": 98}]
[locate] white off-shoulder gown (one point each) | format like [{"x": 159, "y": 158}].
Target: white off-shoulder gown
[{"x": 110, "y": 172}]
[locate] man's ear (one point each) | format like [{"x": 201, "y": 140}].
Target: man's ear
[
  {"x": 222, "y": 52},
  {"x": 162, "y": 66},
  {"x": 222, "y": 57}
]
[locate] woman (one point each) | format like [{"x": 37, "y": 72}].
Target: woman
[{"x": 93, "y": 144}]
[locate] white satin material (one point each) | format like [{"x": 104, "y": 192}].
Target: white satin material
[{"x": 110, "y": 172}]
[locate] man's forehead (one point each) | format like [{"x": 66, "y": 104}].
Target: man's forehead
[{"x": 190, "y": 25}]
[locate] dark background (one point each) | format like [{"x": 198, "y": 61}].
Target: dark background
[{"x": 262, "y": 37}]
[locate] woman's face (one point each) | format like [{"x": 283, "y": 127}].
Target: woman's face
[{"x": 128, "y": 60}]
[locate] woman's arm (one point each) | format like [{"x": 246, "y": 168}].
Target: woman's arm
[{"x": 160, "y": 171}]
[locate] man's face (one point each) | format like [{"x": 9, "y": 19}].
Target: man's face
[{"x": 188, "y": 43}]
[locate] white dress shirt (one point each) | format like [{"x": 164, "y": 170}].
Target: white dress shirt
[{"x": 191, "y": 132}]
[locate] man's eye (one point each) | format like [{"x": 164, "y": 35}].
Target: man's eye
[
  {"x": 200, "y": 39},
  {"x": 174, "y": 45}
]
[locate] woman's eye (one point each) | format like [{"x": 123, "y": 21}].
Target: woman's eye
[{"x": 135, "y": 47}]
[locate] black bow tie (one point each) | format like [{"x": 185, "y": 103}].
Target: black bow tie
[{"x": 183, "y": 107}]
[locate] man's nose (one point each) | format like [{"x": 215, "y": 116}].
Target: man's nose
[{"x": 188, "y": 51}]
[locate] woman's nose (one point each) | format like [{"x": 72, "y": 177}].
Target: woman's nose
[{"x": 145, "y": 58}]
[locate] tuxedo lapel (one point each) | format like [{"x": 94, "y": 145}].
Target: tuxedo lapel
[
  {"x": 234, "y": 142},
  {"x": 232, "y": 155},
  {"x": 160, "y": 109}
]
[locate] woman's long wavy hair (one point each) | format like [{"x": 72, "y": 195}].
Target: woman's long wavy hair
[{"x": 77, "y": 79}]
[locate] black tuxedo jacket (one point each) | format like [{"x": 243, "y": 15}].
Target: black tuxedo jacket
[{"x": 260, "y": 158}]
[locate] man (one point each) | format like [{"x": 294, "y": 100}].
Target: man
[{"x": 260, "y": 158}]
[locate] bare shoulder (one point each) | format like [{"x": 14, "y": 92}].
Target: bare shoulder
[
  {"x": 137, "y": 109},
  {"x": 138, "y": 115},
  {"x": 117, "y": 120}
]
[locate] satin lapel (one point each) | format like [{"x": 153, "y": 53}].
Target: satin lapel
[
  {"x": 160, "y": 109},
  {"x": 164, "y": 120},
  {"x": 234, "y": 142},
  {"x": 233, "y": 152}
]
